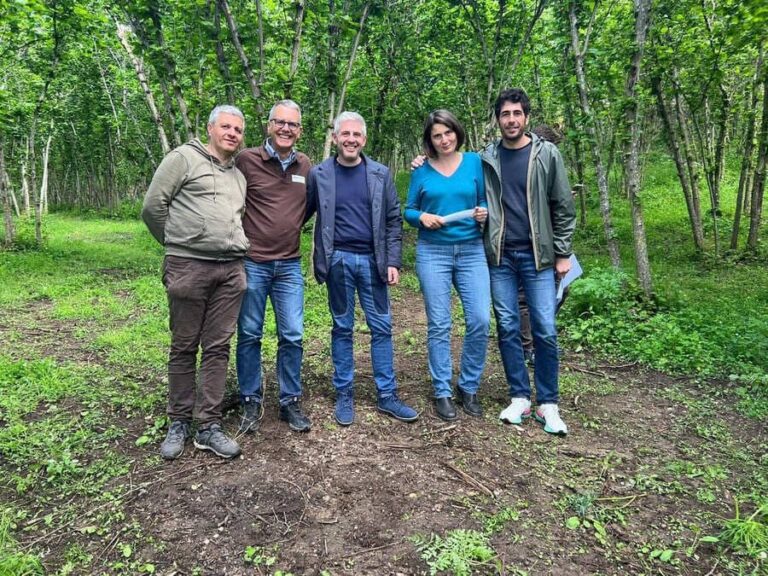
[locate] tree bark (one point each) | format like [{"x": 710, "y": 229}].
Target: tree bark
[
  {"x": 294, "y": 66},
  {"x": 339, "y": 108},
  {"x": 578, "y": 156},
  {"x": 746, "y": 158},
  {"x": 221, "y": 57},
  {"x": 253, "y": 82},
  {"x": 140, "y": 30},
  {"x": 758, "y": 180},
  {"x": 685, "y": 142},
  {"x": 674, "y": 147},
  {"x": 5, "y": 193},
  {"x": 642, "y": 22},
  {"x": 138, "y": 66},
  {"x": 589, "y": 127},
  {"x": 44, "y": 185},
  {"x": 333, "y": 43},
  {"x": 170, "y": 67}
]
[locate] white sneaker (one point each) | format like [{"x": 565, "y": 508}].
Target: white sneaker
[
  {"x": 516, "y": 412},
  {"x": 549, "y": 415}
]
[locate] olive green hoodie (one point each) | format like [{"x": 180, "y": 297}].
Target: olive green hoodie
[{"x": 194, "y": 205}]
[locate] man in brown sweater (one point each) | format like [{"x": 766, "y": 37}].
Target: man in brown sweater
[{"x": 276, "y": 197}]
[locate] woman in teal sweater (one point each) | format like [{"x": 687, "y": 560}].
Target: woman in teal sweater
[{"x": 446, "y": 202}]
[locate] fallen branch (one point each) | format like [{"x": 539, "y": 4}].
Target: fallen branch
[
  {"x": 440, "y": 430},
  {"x": 585, "y": 371},
  {"x": 470, "y": 480},
  {"x": 367, "y": 551}
]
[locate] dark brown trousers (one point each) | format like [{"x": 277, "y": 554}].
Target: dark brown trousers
[{"x": 204, "y": 302}]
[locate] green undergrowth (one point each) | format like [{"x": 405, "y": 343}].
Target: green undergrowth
[
  {"x": 707, "y": 316},
  {"x": 56, "y": 418}
]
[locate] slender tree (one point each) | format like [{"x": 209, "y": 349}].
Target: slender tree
[
  {"x": 579, "y": 49},
  {"x": 758, "y": 180},
  {"x": 632, "y": 169}
]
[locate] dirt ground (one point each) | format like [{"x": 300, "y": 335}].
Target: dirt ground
[{"x": 346, "y": 501}]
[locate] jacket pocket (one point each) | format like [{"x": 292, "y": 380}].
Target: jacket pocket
[{"x": 184, "y": 229}]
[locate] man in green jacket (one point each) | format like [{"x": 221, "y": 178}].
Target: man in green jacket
[
  {"x": 194, "y": 207},
  {"x": 531, "y": 218}
]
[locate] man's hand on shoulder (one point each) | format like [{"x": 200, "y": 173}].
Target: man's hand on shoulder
[{"x": 418, "y": 161}]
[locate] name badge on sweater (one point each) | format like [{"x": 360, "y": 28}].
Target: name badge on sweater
[{"x": 297, "y": 178}]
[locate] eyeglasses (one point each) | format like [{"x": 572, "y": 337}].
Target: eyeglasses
[{"x": 292, "y": 126}]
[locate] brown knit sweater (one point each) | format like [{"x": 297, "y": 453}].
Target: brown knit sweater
[{"x": 274, "y": 205}]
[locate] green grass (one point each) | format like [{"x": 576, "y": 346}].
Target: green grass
[
  {"x": 85, "y": 348},
  {"x": 708, "y": 316}
]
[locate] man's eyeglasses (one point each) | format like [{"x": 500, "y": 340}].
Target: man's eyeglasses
[{"x": 292, "y": 126}]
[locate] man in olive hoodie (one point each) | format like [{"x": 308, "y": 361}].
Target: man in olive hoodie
[{"x": 194, "y": 207}]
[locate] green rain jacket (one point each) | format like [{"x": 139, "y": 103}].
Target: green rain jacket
[{"x": 551, "y": 210}]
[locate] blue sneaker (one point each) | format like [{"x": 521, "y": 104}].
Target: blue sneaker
[
  {"x": 345, "y": 407},
  {"x": 393, "y": 406}
]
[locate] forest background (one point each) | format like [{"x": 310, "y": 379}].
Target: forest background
[{"x": 663, "y": 106}]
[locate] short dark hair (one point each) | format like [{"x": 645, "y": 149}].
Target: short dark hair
[
  {"x": 513, "y": 95},
  {"x": 446, "y": 118}
]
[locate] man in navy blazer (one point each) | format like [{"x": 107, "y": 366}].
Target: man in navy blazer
[{"x": 357, "y": 248}]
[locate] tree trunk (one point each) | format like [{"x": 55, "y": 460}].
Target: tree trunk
[
  {"x": 578, "y": 156},
  {"x": 642, "y": 22},
  {"x": 107, "y": 91},
  {"x": 138, "y": 66},
  {"x": 294, "y": 66},
  {"x": 25, "y": 187},
  {"x": 12, "y": 196},
  {"x": 170, "y": 67},
  {"x": 44, "y": 184},
  {"x": 221, "y": 57},
  {"x": 140, "y": 30},
  {"x": 746, "y": 158},
  {"x": 693, "y": 172},
  {"x": 674, "y": 147},
  {"x": 345, "y": 82},
  {"x": 253, "y": 83},
  {"x": 589, "y": 127},
  {"x": 758, "y": 180},
  {"x": 5, "y": 193},
  {"x": 333, "y": 43}
]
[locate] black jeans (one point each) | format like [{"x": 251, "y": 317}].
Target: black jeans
[{"x": 204, "y": 301}]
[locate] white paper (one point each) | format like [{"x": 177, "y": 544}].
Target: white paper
[
  {"x": 566, "y": 281},
  {"x": 458, "y": 216},
  {"x": 297, "y": 178}
]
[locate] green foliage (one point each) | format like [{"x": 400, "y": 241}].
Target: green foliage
[
  {"x": 605, "y": 311},
  {"x": 13, "y": 562},
  {"x": 24, "y": 238},
  {"x": 747, "y": 535},
  {"x": 257, "y": 556},
  {"x": 460, "y": 552}
]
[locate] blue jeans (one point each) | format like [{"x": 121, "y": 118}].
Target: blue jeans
[
  {"x": 462, "y": 265},
  {"x": 518, "y": 268},
  {"x": 283, "y": 283},
  {"x": 350, "y": 272}
]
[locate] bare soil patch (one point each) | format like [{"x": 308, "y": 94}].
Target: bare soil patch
[{"x": 347, "y": 500}]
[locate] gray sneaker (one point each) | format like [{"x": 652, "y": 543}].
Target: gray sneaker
[
  {"x": 214, "y": 439},
  {"x": 173, "y": 445}
]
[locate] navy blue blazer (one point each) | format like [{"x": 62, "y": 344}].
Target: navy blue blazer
[{"x": 387, "y": 222}]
